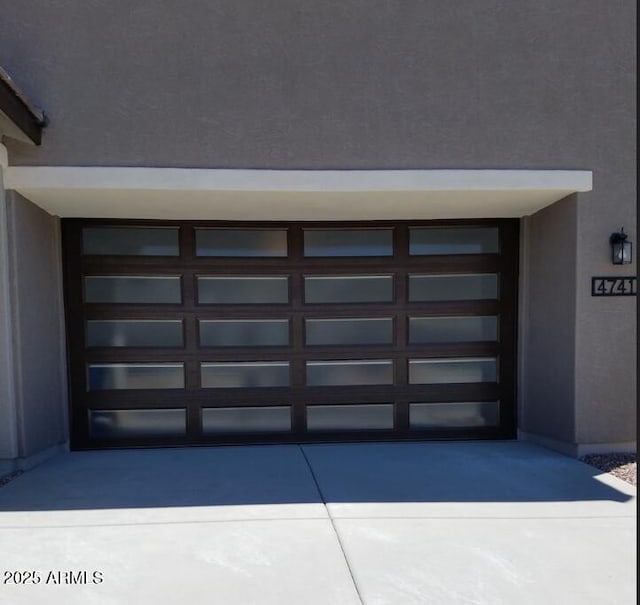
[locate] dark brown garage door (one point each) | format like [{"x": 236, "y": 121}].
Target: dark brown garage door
[{"x": 195, "y": 333}]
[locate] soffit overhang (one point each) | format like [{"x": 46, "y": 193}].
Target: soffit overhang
[{"x": 298, "y": 195}]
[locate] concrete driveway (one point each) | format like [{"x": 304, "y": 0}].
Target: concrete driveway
[{"x": 444, "y": 523}]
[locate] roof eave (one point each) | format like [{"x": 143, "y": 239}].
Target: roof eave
[{"x": 18, "y": 117}]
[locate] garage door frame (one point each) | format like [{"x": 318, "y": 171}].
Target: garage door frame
[{"x": 297, "y": 395}]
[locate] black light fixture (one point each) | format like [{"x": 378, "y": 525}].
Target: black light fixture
[{"x": 620, "y": 248}]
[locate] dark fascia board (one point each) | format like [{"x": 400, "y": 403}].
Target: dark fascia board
[{"x": 19, "y": 113}]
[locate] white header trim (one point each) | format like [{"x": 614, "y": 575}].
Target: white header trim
[
  {"x": 292, "y": 194},
  {"x": 178, "y": 179}
]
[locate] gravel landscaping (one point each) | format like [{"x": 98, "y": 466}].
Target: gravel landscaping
[{"x": 622, "y": 466}]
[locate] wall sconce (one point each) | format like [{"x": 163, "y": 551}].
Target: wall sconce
[{"x": 620, "y": 248}]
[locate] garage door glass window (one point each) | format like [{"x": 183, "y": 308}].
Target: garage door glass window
[{"x": 201, "y": 332}]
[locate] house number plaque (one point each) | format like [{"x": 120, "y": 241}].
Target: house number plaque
[{"x": 613, "y": 286}]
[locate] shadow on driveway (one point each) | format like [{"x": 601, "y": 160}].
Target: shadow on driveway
[{"x": 290, "y": 474}]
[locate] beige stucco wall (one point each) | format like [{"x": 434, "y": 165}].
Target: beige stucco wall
[
  {"x": 548, "y": 322},
  {"x": 8, "y": 421},
  {"x": 606, "y": 328},
  {"x": 32, "y": 350},
  {"x": 341, "y": 84}
]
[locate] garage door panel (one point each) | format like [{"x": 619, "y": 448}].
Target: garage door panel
[
  {"x": 248, "y": 332},
  {"x": 349, "y": 372},
  {"x": 245, "y": 243},
  {"x": 425, "y": 287},
  {"x": 244, "y": 374},
  {"x": 453, "y": 415},
  {"x": 242, "y": 420},
  {"x": 243, "y": 290},
  {"x": 453, "y": 371},
  {"x": 349, "y": 331},
  {"x": 351, "y": 289},
  {"x": 448, "y": 329},
  {"x": 119, "y": 423},
  {"x": 135, "y": 376},
  {"x": 135, "y": 333},
  {"x": 347, "y": 242},
  {"x": 132, "y": 289},
  {"x": 130, "y": 241},
  {"x": 244, "y": 332},
  {"x": 439, "y": 241},
  {"x": 350, "y": 417}
]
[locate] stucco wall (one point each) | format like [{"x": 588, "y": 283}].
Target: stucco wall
[
  {"x": 8, "y": 434},
  {"x": 339, "y": 83},
  {"x": 374, "y": 84},
  {"x": 39, "y": 394},
  {"x": 606, "y": 329},
  {"x": 548, "y": 322}
]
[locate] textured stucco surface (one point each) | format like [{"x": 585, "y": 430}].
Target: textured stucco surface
[
  {"x": 8, "y": 444},
  {"x": 606, "y": 329},
  {"x": 548, "y": 355},
  {"x": 37, "y": 336},
  {"x": 355, "y": 84},
  {"x": 345, "y": 84}
]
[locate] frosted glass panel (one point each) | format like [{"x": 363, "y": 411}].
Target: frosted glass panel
[
  {"x": 130, "y": 241},
  {"x": 344, "y": 373},
  {"x": 134, "y": 333},
  {"x": 438, "y": 371},
  {"x": 349, "y": 417},
  {"x": 243, "y": 290},
  {"x": 109, "y": 424},
  {"x": 241, "y": 242},
  {"x": 132, "y": 289},
  {"x": 245, "y": 374},
  {"x": 453, "y": 415},
  {"x": 348, "y": 242},
  {"x": 109, "y": 376},
  {"x": 349, "y": 289},
  {"x": 453, "y": 329},
  {"x": 349, "y": 331},
  {"x": 454, "y": 241},
  {"x": 240, "y": 420},
  {"x": 244, "y": 333},
  {"x": 453, "y": 287}
]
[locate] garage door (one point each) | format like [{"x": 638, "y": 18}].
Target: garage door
[{"x": 199, "y": 333}]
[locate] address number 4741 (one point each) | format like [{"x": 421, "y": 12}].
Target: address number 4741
[{"x": 613, "y": 286}]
